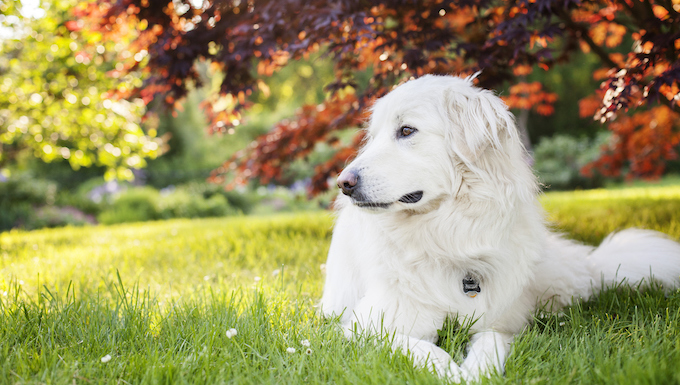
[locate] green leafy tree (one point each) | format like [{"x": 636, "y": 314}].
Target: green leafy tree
[{"x": 59, "y": 88}]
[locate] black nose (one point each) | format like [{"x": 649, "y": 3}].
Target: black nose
[{"x": 348, "y": 181}]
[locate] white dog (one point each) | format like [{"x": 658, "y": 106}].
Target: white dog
[{"x": 439, "y": 218}]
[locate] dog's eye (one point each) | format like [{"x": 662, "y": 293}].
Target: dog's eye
[{"x": 405, "y": 131}]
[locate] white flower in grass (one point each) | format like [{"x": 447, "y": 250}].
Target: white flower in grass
[
  {"x": 562, "y": 323},
  {"x": 106, "y": 358},
  {"x": 305, "y": 343},
  {"x": 257, "y": 279},
  {"x": 290, "y": 350},
  {"x": 231, "y": 332},
  {"x": 308, "y": 351}
]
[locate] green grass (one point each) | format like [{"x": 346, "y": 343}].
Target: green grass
[
  {"x": 666, "y": 180},
  {"x": 592, "y": 214},
  {"x": 159, "y": 297}
]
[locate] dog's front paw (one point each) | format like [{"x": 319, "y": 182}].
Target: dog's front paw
[
  {"x": 456, "y": 374},
  {"x": 450, "y": 371},
  {"x": 470, "y": 377},
  {"x": 473, "y": 374}
]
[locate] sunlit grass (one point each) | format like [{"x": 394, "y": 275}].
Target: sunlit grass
[
  {"x": 172, "y": 258},
  {"x": 159, "y": 297},
  {"x": 592, "y": 214}
]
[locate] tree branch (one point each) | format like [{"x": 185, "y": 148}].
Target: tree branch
[
  {"x": 599, "y": 51},
  {"x": 672, "y": 104}
]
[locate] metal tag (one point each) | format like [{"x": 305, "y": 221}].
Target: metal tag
[{"x": 471, "y": 286}]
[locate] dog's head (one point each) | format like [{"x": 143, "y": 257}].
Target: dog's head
[{"x": 423, "y": 137}]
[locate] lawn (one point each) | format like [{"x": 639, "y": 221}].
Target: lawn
[{"x": 153, "y": 302}]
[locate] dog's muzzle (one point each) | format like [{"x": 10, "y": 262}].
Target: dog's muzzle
[{"x": 348, "y": 182}]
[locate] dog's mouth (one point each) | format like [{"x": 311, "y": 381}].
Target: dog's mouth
[
  {"x": 411, "y": 197},
  {"x": 372, "y": 205}
]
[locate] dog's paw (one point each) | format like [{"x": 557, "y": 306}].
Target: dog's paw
[
  {"x": 455, "y": 374},
  {"x": 450, "y": 371},
  {"x": 474, "y": 374},
  {"x": 468, "y": 376}
]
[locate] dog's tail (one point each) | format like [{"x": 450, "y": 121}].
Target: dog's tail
[
  {"x": 632, "y": 257},
  {"x": 635, "y": 257}
]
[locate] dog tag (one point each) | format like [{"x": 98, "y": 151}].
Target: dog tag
[{"x": 471, "y": 286}]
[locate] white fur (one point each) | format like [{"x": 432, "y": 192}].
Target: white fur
[{"x": 399, "y": 269}]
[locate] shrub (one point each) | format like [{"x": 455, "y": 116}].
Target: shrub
[
  {"x": 53, "y": 216},
  {"x": 19, "y": 194},
  {"x": 559, "y": 159},
  {"x": 241, "y": 201},
  {"x": 146, "y": 203},
  {"x": 14, "y": 215},
  {"x": 182, "y": 204},
  {"x": 215, "y": 206},
  {"x": 92, "y": 196},
  {"x": 281, "y": 199},
  {"x": 133, "y": 205}
]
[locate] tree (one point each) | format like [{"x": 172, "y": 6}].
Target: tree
[
  {"x": 396, "y": 39},
  {"x": 57, "y": 102}
]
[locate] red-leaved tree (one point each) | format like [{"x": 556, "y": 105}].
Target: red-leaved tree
[{"x": 637, "y": 42}]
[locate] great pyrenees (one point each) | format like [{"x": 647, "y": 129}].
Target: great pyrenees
[{"x": 439, "y": 217}]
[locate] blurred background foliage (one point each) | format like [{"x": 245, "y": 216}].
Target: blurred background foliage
[
  {"x": 95, "y": 183},
  {"x": 70, "y": 153},
  {"x": 54, "y": 100}
]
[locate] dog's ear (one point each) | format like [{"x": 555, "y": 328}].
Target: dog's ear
[{"x": 479, "y": 120}]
